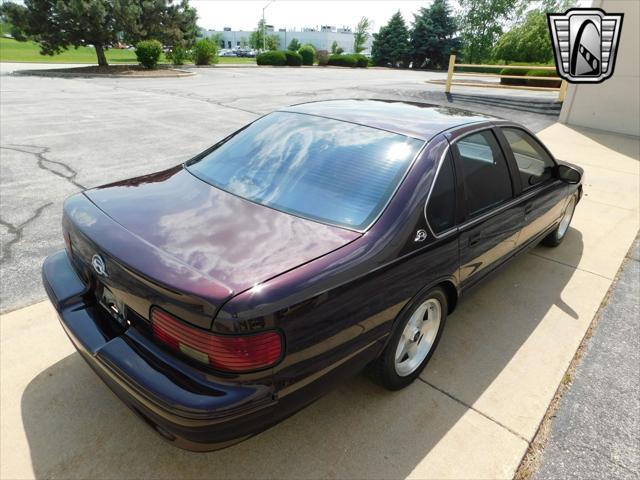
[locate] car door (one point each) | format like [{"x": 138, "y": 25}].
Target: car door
[
  {"x": 541, "y": 193},
  {"x": 490, "y": 218}
]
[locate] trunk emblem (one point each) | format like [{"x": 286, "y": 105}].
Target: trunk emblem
[{"x": 98, "y": 265}]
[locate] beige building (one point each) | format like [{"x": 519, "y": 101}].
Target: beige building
[{"x": 613, "y": 105}]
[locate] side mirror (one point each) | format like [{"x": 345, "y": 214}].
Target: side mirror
[{"x": 569, "y": 174}]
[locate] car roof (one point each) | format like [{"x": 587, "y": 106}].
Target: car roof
[{"x": 418, "y": 120}]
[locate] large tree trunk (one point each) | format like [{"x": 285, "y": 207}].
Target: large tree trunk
[{"x": 102, "y": 58}]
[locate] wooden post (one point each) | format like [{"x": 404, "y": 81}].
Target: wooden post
[
  {"x": 452, "y": 62},
  {"x": 563, "y": 91}
]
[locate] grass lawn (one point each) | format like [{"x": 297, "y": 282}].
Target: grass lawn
[{"x": 13, "y": 51}]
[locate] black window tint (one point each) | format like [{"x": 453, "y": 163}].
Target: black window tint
[
  {"x": 534, "y": 163},
  {"x": 484, "y": 170},
  {"x": 441, "y": 210}
]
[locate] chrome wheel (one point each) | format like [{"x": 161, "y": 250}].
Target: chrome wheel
[
  {"x": 566, "y": 218},
  {"x": 418, "y": 337}
]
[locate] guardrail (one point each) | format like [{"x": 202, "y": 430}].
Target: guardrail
[{"x": 562, "y": 90}]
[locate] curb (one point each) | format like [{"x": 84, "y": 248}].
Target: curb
[{"x": 53, "y": 73}]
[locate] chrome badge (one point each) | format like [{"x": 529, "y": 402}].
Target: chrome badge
[
  {"x": 98, "y": 265},
  {"x": 585, "y": 43}
]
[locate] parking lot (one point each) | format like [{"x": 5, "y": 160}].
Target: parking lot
[{"x": 481, "y": 399}]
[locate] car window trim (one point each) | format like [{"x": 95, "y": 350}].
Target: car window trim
[
  {"x": 512, "y": 178},
  {"x": 447, "y": 149},
  {"x": 507, "y": 146}
]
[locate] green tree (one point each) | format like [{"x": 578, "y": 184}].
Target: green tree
[
  {"x": 391, "y": 43},
  {"x": 270, "y": 42},
  {"x": 334, "y": 47},
  {"x": 529, "y": 42},
  {"x": 294, "y": 45},
  {"x": 172, "y": 23},
  {"x": 58, "y": 25},
  {"x": 433, "y": 36},
  {"x": 480, "y": 25},
  {"x": 361, "y": 35}
]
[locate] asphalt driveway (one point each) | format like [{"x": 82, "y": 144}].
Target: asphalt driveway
[{"x": 477, "y": 405}]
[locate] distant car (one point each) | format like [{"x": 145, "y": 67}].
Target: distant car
[
  {"x": 227, "y": 53},
  {"x": 222, "y": 295}
]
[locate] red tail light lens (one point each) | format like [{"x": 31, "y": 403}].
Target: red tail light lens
[{"x": 232, "y": 353}]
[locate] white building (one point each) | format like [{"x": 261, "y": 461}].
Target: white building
[
  {"x": 321, "y": 37},
  {"x": 614, "y": 104}
]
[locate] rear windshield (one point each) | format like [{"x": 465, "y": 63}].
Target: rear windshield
[{"x": 326, "y": 170}]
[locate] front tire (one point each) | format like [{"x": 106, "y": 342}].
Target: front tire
[
  {"x": 413, "y": 341},
  {"x": 556, "y": 237}
]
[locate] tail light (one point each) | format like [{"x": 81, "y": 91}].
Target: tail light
[{"x": 232, "y": 353}]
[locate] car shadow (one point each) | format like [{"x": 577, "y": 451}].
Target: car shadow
[{"x": 76, "y": 428}]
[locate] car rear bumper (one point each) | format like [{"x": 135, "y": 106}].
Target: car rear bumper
[{"x": 185, "y": 405}]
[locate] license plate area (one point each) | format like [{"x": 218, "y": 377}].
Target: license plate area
[{"x": 111, "y": 305}]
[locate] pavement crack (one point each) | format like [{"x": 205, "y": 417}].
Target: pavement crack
[
  {"x": 44, "y": 163},
  {"x": 457, "y": 400},
  {"x": 17, "y": 230}
]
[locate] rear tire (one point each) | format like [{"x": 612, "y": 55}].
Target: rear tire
[
  {"x": 414, "y": 339},
  {"x": 556, "y": 237}
]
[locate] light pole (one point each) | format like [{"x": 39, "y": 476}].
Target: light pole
[{"x": 264, "y": 42}]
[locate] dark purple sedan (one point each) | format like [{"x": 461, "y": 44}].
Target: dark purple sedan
[{"x": 220, "y": 296}]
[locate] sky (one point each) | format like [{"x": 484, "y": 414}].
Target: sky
[{"x": 244, "y": 14}]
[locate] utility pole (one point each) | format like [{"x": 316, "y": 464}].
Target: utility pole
[{"x": 264, "y": 40}]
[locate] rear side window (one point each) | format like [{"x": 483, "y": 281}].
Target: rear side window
[
  {"x": 317, "y": 168},
  {"x": 441, "y": 210},
  {"x": 534, "y": 164},
  {"x": 486, "y": 177}
]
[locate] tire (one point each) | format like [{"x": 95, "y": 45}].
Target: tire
[
  {"x": 415, "y": 337},
  {"x": 556, "y": 237}
]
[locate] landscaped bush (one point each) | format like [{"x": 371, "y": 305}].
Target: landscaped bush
[
  {"x": 308, "y": 53},
  {"x": 354, "y": 60},
  {"x": 512, "y": 71},
  {"x": 294, "y": 59},
  {"x": 323, "y": 57},
  {"x": 543, "y": 83},
  {"x": 273, "y": 57},
  {"x": 529, "y": 73},
  {"x": 148, "y": 53},
  {"x": 479, "y": 69},
  {"x": 361, "y": 60},
  {"x": 205, "y": 52},
  {"x": 178, "y": 55}
]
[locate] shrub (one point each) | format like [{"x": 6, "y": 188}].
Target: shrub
[
  {"x": 148, "y": 53},
  {"x": 205, "y": 52},
  {"x": 512, "y": 71},
  {"x": 308, "y": 53},
  {"x": 323, "y": 57},
  {"x": 294, "y": 45},
  {"x": 361, "y": 60},
  {"x": 272, "y": 57},
  {"x": 178, "y": 55},
  {"x": 543, "y": 83},
  {"x": 354, "y": 60},
  {"x": 529, "y": 73},
  {"x": 294, "y": 59}
]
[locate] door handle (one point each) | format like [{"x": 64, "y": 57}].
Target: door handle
[
  {"x": 474, "y": 238},
  {"x": 528, "y": 208}
]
